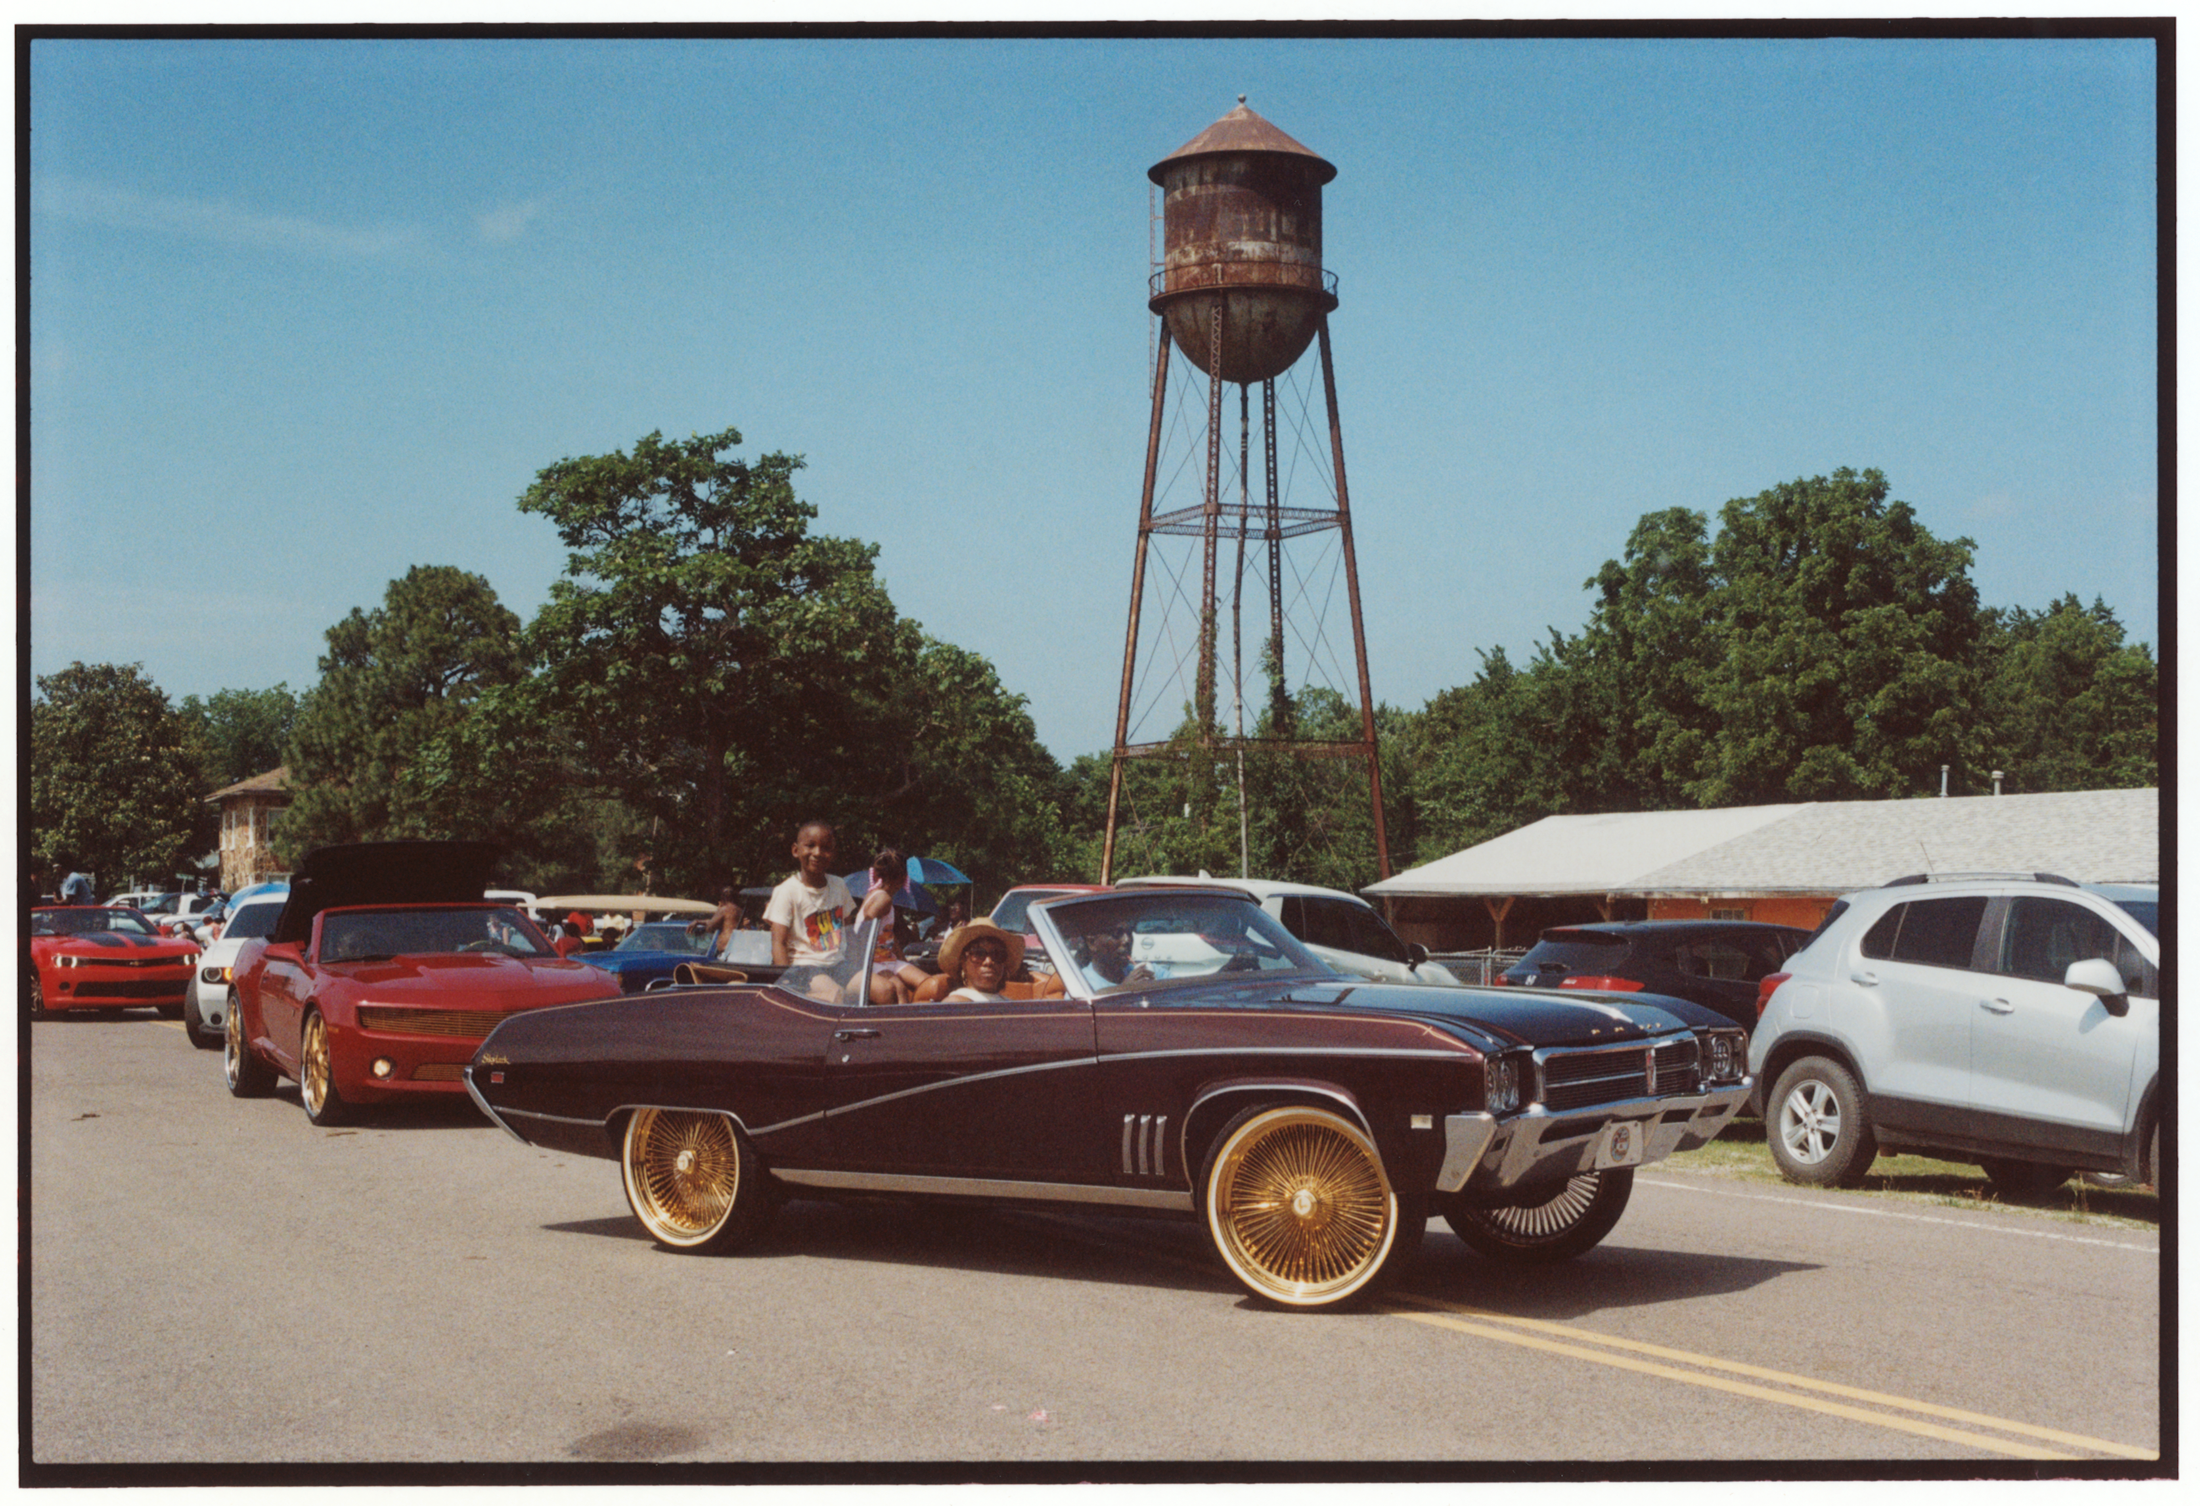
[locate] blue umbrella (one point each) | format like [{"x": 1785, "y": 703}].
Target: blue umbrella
[
  {"x": 933, "y": 871},
  {"x": 908, "y": 897}
]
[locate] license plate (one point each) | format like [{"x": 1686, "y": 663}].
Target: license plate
[{"x": 1621, "y": 1144}]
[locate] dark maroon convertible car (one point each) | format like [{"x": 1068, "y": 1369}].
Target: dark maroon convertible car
[{"x": 1202, "y": 1063}]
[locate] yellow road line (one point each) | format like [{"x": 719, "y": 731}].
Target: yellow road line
[{"x": 1576, "y": 1338}]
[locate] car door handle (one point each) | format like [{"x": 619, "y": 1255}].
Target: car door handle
[
  {"x": 1997, "y": 1006},
  {"x": 1869, "y": 980},
  {"x": 853, "y": 1035}
]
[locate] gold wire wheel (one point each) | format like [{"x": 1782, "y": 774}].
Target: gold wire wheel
[
  {"x": 317, "y": 1075},
  {"x": 1299, "y": 1206},
  {"x": 683, "y": 1174}
]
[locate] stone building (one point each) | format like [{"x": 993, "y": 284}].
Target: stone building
[{"x": 248, "y": 807}]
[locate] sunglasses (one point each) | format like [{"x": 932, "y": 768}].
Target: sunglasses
[{"x": 988, "y": 951}]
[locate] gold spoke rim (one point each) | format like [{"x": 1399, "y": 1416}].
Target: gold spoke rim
[
  {"x": 685, "y": 1172},
  {"x": 1300, "y": 1205}
]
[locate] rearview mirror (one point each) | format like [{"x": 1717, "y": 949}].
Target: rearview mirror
[{"x": 1416, "y": 954}]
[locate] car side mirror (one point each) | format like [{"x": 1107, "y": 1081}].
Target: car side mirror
[
  {"x": 2098, "y": 976},
  {"x": 1416, "y": 954}
]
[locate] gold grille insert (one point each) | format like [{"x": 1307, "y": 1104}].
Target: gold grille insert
[
  {"x": 438, "y": 1072},
  {"x": 470, "y": 1024}
]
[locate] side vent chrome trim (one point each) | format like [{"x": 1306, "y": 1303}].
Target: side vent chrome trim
[{"x": 1149, "y": 1133}]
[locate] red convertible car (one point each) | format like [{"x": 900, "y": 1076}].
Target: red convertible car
[
  {"x": 383, "y": 973},
  {"x": 98, "y": 957},
  {"x": 1201, "y": 1062}
]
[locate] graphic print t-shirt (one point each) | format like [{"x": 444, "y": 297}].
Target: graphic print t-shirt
[{"x": 815, "y": 918}]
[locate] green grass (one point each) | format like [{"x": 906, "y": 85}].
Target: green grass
[{"x": 1741, "y": 1152}]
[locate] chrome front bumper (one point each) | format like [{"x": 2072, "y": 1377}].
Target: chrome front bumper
[{"x": 1483, "y": 1153}]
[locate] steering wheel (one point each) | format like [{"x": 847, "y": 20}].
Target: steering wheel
[
  {"x": 1243, "y": 962},
  {"x": 488, "y": 944}
]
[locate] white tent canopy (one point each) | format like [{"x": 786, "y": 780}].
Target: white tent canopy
[{"x": 1827, "y": 847}]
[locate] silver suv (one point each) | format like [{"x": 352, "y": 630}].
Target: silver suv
[{"x": 2014, "y": 1022}]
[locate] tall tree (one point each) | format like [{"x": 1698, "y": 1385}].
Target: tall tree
[
  {"x": 373, "y": 750},
  {"x": 711, "y": 657},
  {"x": 242, "y": 733},
  {"x": 115, "y": 778},
  {"x": 1846, "y": 635},
  {"x": 2070, "y": 705}
]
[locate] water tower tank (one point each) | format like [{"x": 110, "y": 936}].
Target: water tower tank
[{"x": 1242, "y": 222}]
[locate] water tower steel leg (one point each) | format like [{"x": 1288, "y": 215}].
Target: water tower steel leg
[
  {"x": 1210, "y": 530},
  {"x": 1138, "y": 588},
  {"x": 1352, "y": 588},
  {"x": 1279, "y": 687}
]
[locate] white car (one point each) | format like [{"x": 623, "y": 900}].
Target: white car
[
  {"x": 1342, "y": 929},
  {"x": 146, "y": 900},
  {"x": 2014, "y": 1023},
  {"x": 192, "y": 916},
  {"x": 206, "y": 1006}
]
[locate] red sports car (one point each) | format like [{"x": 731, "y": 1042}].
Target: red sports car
[
  {"x": 98, "y": 957},
  {"x": 383, "y": 973}
]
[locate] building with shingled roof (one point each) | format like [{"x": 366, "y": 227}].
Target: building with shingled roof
[{"x": 1781, "y": 863}]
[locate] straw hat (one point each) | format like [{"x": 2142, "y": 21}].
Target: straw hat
[{"x": 951, "y": 954}]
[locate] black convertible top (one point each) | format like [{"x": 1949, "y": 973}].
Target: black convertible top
[{"x": 383, "y": 873}]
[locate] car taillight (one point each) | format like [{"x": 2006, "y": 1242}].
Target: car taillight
[
  {"x": 1765, "y": 986},
  {"x": 1615, "y": 985}
]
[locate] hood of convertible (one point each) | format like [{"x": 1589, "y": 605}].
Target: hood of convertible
[
  {"x": 477, "y": 980},
  {"x": 1520, "y": 1016}
]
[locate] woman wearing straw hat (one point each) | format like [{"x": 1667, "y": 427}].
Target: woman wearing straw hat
[{"x": 979, "y": 958}]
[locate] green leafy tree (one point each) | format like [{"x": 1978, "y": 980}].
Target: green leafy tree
[
  {"x": 965, "y": 776},
  {"x": 711, "y": 659},
  {"x": 241, "y": 733},
  {"x": 115, "y": 782},
  {"x": 2070, "y": 705},
  {"x": 382, "y": 748},
  {"x": 1846, "y": 636}
]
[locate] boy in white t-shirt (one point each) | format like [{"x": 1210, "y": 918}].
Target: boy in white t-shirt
[{"x": 809, "y": 912}]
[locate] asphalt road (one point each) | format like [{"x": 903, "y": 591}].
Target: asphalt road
[{"x": 215, "y": 1281}]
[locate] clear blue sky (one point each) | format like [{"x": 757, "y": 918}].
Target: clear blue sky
[{"x": 305, "y": 314}]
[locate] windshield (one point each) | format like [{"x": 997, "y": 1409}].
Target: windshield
[
  {"x": 253, "y": 920},
  {"x": 665, "y": 936},
  {"x": 1133, "y": 939},
  {"x": 75, "y": 920},
  {"x": 375, "y": 935},
  {"x": 1010, "y": 912}
]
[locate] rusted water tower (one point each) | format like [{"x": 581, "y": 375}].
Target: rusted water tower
[{"x": 1241, "y": 291}]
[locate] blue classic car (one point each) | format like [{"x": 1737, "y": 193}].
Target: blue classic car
[{"x": 651, "y": 951}]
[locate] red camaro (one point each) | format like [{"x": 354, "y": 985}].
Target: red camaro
[
  {"x": 383, "y": 973},
  {"x": 98, "y": 957}
]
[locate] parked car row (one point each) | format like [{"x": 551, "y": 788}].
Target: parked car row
[
  {"x": 1311, "y": 1119},
  {"x": 1267, "y": 1058}
]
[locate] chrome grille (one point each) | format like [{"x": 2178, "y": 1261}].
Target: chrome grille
[
  {"x": 471, "y": 1024},
  {"x": 1574, "y": 1078}
]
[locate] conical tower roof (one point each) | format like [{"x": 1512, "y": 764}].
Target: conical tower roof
[{"x": 1243, "y": 131}]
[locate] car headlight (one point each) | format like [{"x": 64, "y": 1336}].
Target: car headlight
[
  {"x": 1501, "y": 1084},
  {"x": 67, "y": 960},
  {"x": 1726, "y": 1052}
]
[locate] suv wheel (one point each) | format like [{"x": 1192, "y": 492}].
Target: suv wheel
[{"x": 1816, "y": 1125}]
